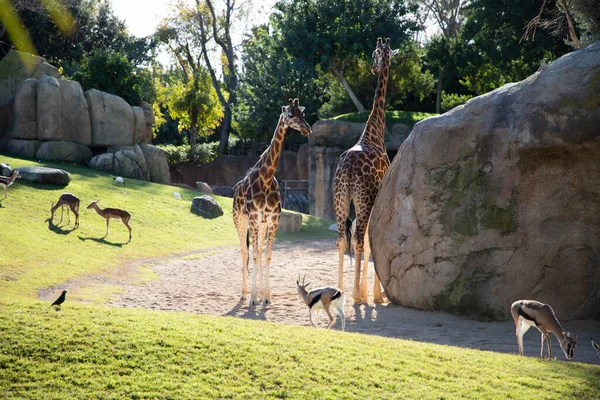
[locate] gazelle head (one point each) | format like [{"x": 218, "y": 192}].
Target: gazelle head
[
  {"x": 568, "y": 345},
  {"x": 301, "y": 286},
  {"x": 293, "y": 116},
  {"x": 16, "y": 173},
  {"x": 596, "y": 347},
  {"x": 93, "y": 203}
]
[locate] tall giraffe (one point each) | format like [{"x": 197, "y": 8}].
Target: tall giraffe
[
  {"x": 358, "y": 177},
  {"x": 257, "y": 204}
]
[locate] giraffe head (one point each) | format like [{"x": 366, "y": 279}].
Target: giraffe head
[
  {"x": 381, "y": 53},
  {"x": 293, "y": 117}
]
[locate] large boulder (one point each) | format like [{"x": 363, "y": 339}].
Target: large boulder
[
  {"x": 158, "y": 167},
  {"x": 24, "y": 148},
  {"x": 149, "y": 118},
  {"x": 498, "y": 200},
  {"x": 203, "y": 187},
  {"x": 48, "y": 109},
  {"x": 25, "y": 111},
  {"x": 103, "y": 162},
  {"x": 206, "y": 206},
  {"x": 322, "y": 165},
  {"x": 302, "y": 162},
  {"x": 112, "y": 119},
  {"x": 74, "y": 114},
  {"x": 48, "y": 176},
  {"x": 63, "y": 151},
  {"x": 16, "y": 67},
  {"x": 129, "y": 162}
]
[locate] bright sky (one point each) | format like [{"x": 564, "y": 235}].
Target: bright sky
[{"x": 143, "y": 16}]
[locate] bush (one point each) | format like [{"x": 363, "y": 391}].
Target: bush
[
  {"x": 203, "y": 153},
  {"x": 449, "y": 101}
]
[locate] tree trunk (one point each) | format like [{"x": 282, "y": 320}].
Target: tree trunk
[
  {"x": 225, "y": 127},
  {"x": 438, "y": 100},
  {"x": 340, "y": 76}
]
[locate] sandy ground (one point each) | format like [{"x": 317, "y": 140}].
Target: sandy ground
[{"x": 209, "y": 282}]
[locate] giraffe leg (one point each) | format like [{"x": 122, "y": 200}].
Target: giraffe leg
[
  {"x": 342, "y": 209},
  {"x": 360, "y": 288},
  {"x": 256, "y": 257},
  {"x": 269, "y": 254},
  {"x": 377, "y": 293},
  {"x": 241, "y": 223},
  {"x": 261, "y": 240}
]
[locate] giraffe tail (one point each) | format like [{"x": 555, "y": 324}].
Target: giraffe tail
[{"x": 349, "y": 238}]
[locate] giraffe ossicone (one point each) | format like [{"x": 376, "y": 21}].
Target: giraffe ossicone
[
  {"x": 257, "y": 205},
  {"x": 358, "y": 177}
]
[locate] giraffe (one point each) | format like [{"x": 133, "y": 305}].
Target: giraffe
[
  {"x": 358, "y": 177},
  {"x": 257, "y": 205}
]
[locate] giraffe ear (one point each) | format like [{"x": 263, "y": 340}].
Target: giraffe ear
[
  {"x": 301, "y": 108},
  {"x": 284, "y": 109},
  {"x": 394, "y": 52},
  {"x": 387, "y": 41}
]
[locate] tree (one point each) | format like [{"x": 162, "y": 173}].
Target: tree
[
  {"x": 332, "y": 35},
  {"x": 187, "y": 94},
  {"x": 269, "y": 78},
  {"x": 448, "y": 15},
  {"x": 221, "y": 34}
]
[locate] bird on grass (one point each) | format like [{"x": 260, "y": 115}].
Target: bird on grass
[
  {"x": 119, "y": 181},
  {"x": 61, "y": 299}
]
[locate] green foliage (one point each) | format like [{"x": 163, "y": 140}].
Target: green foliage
[
  {"x": 113, "y": 73},
  {"x": 449, "y": 101},
  {"x": 270, "y": 78},
  {"x": 587, "y": 16},
  {"x": 203, "y": 152},
  {"x": 391, "y": 117}
]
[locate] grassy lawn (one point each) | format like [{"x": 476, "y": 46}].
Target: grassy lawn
[
  {"x": 391, "y": 117},
  {"x": 43, "y": 254},
  {"x": 92, "y": 351}
]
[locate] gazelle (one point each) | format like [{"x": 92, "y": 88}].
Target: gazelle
[
  {"x": 113, "y": 213},
  {"x": 596, "y": 347},
  {"x": 69, "y": 200},
  {"x": 6, "y": 181},
  {"x": 324, "y": 298},
  {"x": 528, "y": 313}
]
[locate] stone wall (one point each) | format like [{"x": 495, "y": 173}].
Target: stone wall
[{"x": 499, "y": 200}]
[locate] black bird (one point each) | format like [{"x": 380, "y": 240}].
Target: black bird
[{"x": 61, "y": 299}]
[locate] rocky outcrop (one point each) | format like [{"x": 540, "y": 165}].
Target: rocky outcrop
[
  {"x": 48, "y": 176},
  {"x": 204, "y": 188},
  {"x": 45, "y": 108},
  {"x": 322, "y": 164},
  {"x": 206, "y": 206},
  {"x": 158, "y": 167},
  {"x": 64, "y": 152},
  {"x": 499, "y": 200}
]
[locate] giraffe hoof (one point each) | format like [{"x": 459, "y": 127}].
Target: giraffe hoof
[
  {"x": 379, "y": 300},
  {"x": 253, "y": 302},
  {"x": 267, "y": 301},
  {"x": 358, "y": 300}
]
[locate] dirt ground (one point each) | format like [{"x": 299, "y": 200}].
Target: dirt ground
[{"x": 209, "y": 282}]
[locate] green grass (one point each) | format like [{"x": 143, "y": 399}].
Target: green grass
[
  {"x": 42, "y": 255},
  {"x": 391, "y": 117},
  {"x": 94, "y": 352}
]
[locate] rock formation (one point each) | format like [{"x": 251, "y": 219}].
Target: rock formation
[
  {"x": 49, "y": 118},
  {"x": 499, "y": 200}
]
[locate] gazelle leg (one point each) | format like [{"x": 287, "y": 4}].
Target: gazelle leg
[
  {"x": 128, "y": 227},
  {"x": 340, "y": 310},
  {"x": 521, "y": 329},
  {"x": 62, "y": 210},
  {"x": 310, "y": 315},
  {"x": 542, "y": 349},
  {"x": 107, "y": 220},
  {"x": 331, "y": 319},
  {"x": 549, "y": 346}
]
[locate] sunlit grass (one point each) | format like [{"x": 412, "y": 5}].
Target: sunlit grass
[
  {"x": 41, "y": 255},
  {"x": 86, "y": 351}
]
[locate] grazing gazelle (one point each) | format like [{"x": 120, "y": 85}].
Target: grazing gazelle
[
  {"x": 113, "y": 213},
  {"x": 528, "y": 313},
  {"x": 72, "y": 202},
  {"x": 324, "y": 298},
  {"x": 596, "y": 346},
  {"x": 6, "y": 181}
]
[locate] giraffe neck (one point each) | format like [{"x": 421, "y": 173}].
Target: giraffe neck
[
  {"x": 267, "y": 165},
  {"x": 374, "y": 130}
]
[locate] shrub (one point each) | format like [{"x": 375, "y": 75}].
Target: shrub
[{"x": 449, "y": 101}]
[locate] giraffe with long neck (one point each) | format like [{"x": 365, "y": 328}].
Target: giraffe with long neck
[
  {"x": 257, "y": 205},
  {"x": 358, "y": 177}
]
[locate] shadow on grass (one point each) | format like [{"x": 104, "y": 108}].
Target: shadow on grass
[
  {"x": 57, "y": 229},
  {"x": 103, "y": 240}
]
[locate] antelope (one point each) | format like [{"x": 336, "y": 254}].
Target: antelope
[
  {"x": 6, "y": 181},
  {"x": 69, "y": 200},
  {"x": 113, "y": 213},
  {"x": 596, "y": 347},
  {"x": 323, "y": 298},
  {"x": 528, "y": 313}
]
